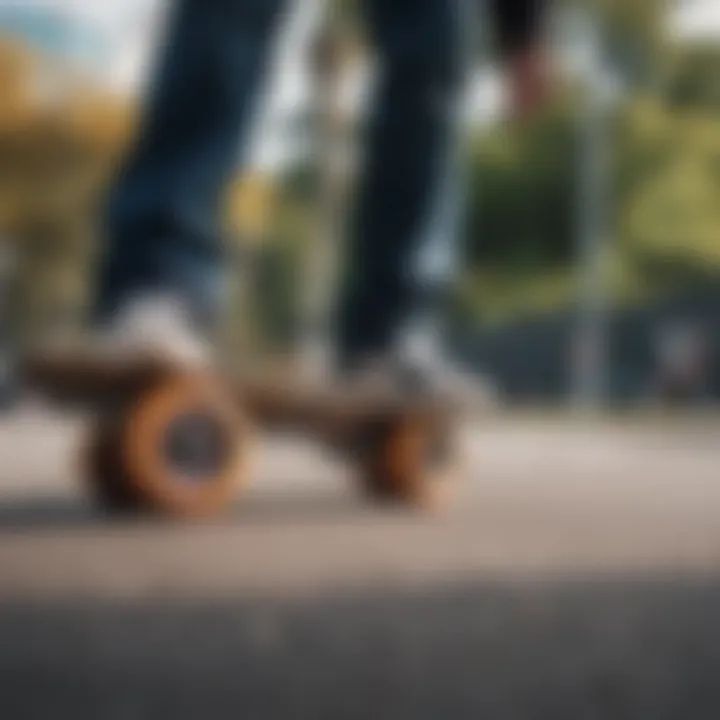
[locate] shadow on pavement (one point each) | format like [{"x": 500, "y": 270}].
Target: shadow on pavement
[
  {"x": 46, "y": 512},
  {"x": 52, "y": 512},
  {"x": 620, "y": 649}
]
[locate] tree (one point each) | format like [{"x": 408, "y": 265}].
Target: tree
[
  {"x": 669, "y": 191},
  {"x": 693, "y": 81},
  {"x": 55, "y": 155}
]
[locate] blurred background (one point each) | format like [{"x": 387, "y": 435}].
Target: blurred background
[
  {"x": 592, "y": 258},
  {"x": 577, "y": 578}
]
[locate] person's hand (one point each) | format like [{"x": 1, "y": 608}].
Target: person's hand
[{"x": 529, "y": 81}]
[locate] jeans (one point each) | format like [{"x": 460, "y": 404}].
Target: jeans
[{"x": 163, "y": 212}]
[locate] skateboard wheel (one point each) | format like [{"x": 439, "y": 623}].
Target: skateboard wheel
[
  {"x": 103, "y": 471},
  {"x": 409, "y": 461},
  {"x": 182, "y": 447}
]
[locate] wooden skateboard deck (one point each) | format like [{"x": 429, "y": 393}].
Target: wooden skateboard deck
[{"x": 82, "y": 379}]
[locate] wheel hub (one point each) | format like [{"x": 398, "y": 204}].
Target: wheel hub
[
  {"x": 437, "y": 450},
  {"x": 195, "y": 446}
]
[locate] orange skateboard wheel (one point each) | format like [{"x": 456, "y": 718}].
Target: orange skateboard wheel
[
  {"x": 103, "y": 472},
  {"x": 410, "y": 461},
  {"x": 183, "y": 446}
]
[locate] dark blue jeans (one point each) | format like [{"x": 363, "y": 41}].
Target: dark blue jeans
[{"x": 162, "y": 222}]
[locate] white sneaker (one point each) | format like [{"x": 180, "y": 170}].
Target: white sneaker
[
  {"x": 152, "y": 325},
  {"x": 439, "y": 381},
  {"x": 427, "y": 369}
]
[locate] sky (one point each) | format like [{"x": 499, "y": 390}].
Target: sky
[{"x": 697, "y": 18}]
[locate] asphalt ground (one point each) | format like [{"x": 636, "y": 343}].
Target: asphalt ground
[{"x": 577, "y": 576}]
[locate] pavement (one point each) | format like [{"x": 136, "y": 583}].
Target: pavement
[{"x": 577, "y": 576}]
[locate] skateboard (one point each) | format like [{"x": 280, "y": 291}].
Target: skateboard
[{"x": 178, "y": 442}]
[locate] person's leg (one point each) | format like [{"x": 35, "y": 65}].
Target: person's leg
[
  {"x": 162, "y": 219},
  {"x": 405, "y": 202}
]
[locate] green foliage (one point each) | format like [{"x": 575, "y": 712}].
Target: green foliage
[
  {"x": 633, "y": 34},
  {"x": 664, "y": 210},
  {"x": 54, "y": 159},
  {"x": 668, "y": 217},
  {"x": 522, "y": 181},
  {"x": 278, "y": 281},
  {"x": 693, "y": 79}
]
